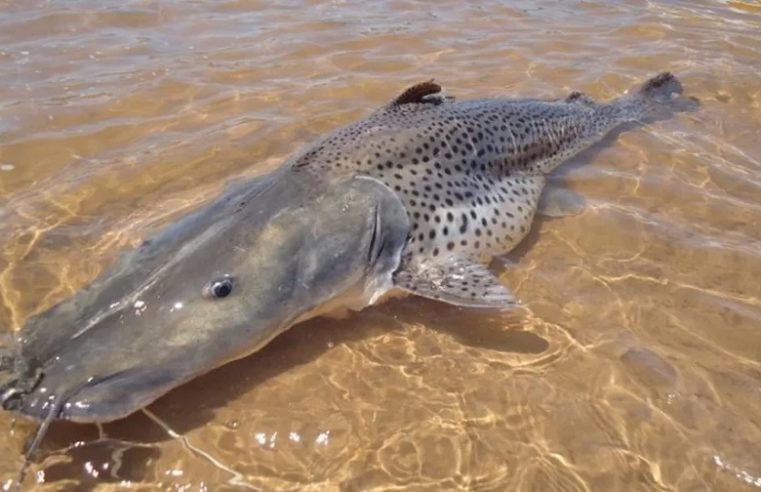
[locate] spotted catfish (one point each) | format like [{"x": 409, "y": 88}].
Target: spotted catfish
[
  {"x": 416, "y": 197},
  {"x": 470, "y": 173}
]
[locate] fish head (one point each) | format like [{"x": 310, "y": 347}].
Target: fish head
[{"x": 214, "y": 287}]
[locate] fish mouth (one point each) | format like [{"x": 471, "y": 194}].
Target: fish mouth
[{"x": 102, "y": 399}]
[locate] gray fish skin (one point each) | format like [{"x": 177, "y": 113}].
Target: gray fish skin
[
  {"x": 417, "y": 196},
  {"x": 291, "y": 244}
]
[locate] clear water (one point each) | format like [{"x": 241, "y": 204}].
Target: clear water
[{"x": 638, "y": 365}]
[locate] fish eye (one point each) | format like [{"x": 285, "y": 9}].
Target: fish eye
[{"x": 221, "y": 288}]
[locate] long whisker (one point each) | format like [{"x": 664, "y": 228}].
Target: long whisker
[{"x": 55, "y": 410}]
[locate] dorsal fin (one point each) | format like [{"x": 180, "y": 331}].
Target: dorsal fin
[
  {"x": 579, "y": 97},
  {"x": 419, "y": 93}
]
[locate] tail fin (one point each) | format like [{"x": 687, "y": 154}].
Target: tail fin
[{"x": 658, "y": 97}]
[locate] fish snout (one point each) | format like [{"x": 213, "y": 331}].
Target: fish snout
[
  {"x": 18, "y": 384},
  {"x": 97, "y": 399}
]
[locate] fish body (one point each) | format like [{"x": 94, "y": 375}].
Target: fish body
[
  {"x": 470, "y": 173},
  {"x": 416, "y": 197}
]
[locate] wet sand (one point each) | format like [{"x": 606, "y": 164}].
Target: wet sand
[{"x": 637, "y": 364}]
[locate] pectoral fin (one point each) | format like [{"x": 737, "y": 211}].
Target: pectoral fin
[{"x": 454, "y": 280}]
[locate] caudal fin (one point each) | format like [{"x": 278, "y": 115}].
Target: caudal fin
[{"x": 659, "y": 97}]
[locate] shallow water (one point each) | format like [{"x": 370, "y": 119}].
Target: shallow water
[{"x": 637, "y": 363}]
